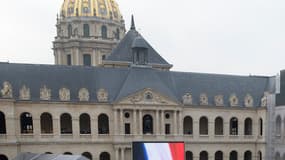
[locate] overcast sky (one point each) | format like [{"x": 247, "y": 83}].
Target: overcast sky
[{"x": 211, "y": 36}]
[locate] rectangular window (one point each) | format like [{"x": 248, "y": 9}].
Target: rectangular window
[
  {"x": 69, "y": 59},
  {"x": 167, "y": 128},
  {"x": 127, "y": 128},
  {"x": 87, "y": 60}
]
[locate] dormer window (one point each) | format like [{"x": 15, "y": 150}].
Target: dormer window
[{"x": 140, "y": 51}]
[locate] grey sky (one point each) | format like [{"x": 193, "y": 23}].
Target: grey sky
[{"x": 212, "y": 36}]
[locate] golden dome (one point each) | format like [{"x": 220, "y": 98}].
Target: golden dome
[{"x": 107, "y": 9}]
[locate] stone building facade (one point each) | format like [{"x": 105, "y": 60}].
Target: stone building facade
[{"x": 99, "y": 108}]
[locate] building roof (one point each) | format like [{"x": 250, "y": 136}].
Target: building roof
[
  {"x": 122, "y": 82},
  {"x": 123, "y": 52},
  {"x": 33, "y": 156}
]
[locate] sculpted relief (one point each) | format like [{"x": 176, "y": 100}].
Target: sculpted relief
[
  {"x": 233, "y": 100},
  {"x": 248, "y": 101},
  {"x": 64, "y": 94},
  {"x": 102, "y": 95},
  {"x": 187, "y": 99},
  {"x": 25, "y": 93},
  {"x": 45, "y": 93},
  {"x": 219, "y": 100},
  {"x": 83, "y": 94},
  {"x": 7, "y": 91}
]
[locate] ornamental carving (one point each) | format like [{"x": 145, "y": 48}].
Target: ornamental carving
[
  {"x": 203, "y": 99},
  {"x": 248, "y": 100},
  {"x": 264, "y": 100},
  {"x": 64, "y": 94},
  {"x": 45, "y": 93},
  {"x": 7, "y": 91},
  {"x": 187, "y": 99},
  {"x": 219, "y": 100},
  {"x": 102, "y": 95},
  {"x": 83, "y": 94},
  {"x": 25, "y": 93},
  {"x": 233, "y": 100},
  {"x": 136, "y": 98}
]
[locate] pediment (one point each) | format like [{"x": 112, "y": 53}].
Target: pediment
[{"x": 148, "y": 97}]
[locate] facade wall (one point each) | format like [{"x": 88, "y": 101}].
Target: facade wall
[{"x": 117, "y": 143}]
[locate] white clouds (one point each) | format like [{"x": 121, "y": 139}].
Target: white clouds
[{"x": 221, "y": 36}]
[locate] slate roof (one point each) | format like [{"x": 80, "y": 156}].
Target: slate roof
[
  {"x": 33, "y": 156},
  {"x": 280, "y": 98},
  {"x": 122, "y": 82},
  {"x": 123, "y": 51}
]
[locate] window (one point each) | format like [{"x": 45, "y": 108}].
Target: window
[
  {"x": 188, "y": 125},
  {"x": 247, "y": 155},
  {"x": 219, "y": 126},
  {"x": 167, "y": 128},
  {"x": 69, "y": 30},
  {"x": 87, "y": 60},
  {"x": 189, "y": 155},
  {"x": 46, "y": 123},
  {"x": 203, "y": 125},
  {"x": 68, "y": 59},
  {"x": 203, "y": 155},
  {"x": 277, "y": 156},
  {"x": 103, "y": 124},
  {"x": 127, "y": 128},
  {"x": 234, "y": 126},
  {"x": 233, "y": 155},
  {"x": 67, "y": 153},
  {"x": 104, "y": 156},
  {"x": 2, "y": 123},
  {"x": 26, "y": 123},
  {"x": 104, "y": 32},
  {"x": 260, "y": 127},
  {"x": 85, "y": 124},
  {"x": 86, "y": 30},
  {"x": 65, "y": 124},
  {"x": 48, "y": 152},
  {"x": 278, "y": 126},
  {"x": 3, "y": 157},
  {"x": 117, "y": 34},
  {"x": 260, "y": 156},
  {"x": 219, "y": 155},
  {"x": 248, "y": 126},
  {"x": 103, "y": 57},
  {"x": 147, "y": 124},
  {"x": 87, "y": 155}
]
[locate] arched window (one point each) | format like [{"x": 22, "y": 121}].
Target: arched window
[
  {"x": 278, "y": 126},
  {"x": 248, "y": 126},
  {"x": 3, "y": 157},
  {"x": 104, "y": 32},
  {"x": 147, "y": 124},
  {"x": 66, "y": 124},
  {"x": 203, "y": 155},
  {"x": 103, "y": 124},
  {"x": 48, "y": 153},
  {"x": 203, "y": 125},
  {"x": 67, "y": 153},
  {"x": 117, "y": 34},
  {"x": 46, "y": 123},
  {"x": 26, "y": 121},
  {"x": 247, "y": 155},
  {"x": 233, "y": 155},
  {"x": 219, "y": 126},
  {"x": 260, "y": 155},
  {"x": 85, "y": 124},
  {"x": 188, "y": 125},
  {"x": 219, "y": 155},
  {"x": 69, "y": 30},
  {"x": 87, "y": 155},
  {"x": 86, "y": 30},
  {"x": 2, "y": 123},
  {"x": 189, "y": 155},
  {"x": 104, "y": 156},
  {"x": 283, "y": 157},
  {"x": 86, "y": 59},
  {"x": 260, "y": 127},
  {"x": 234, "y": 126},
  {"x": 277, "y": 156}
]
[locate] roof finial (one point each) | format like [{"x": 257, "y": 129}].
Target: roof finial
[{"x": 133, "y": 27}]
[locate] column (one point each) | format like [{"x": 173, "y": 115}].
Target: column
[
  {"x": 75, "y": 127},
  {"x": 162, "y": 123},
  {"x": 180, "y": 120},
  {"x": 116, "y": 153},
  {"x": 175, "y": 122},
  {"x": 36, "y": 126},
  {"x": 121, "y": 122},
  {"x": 116, "y": 122},
  {"x": 134, "y": 122},
  {"x": 122, "y": 153},
  {"x": 94, "y": 57},
  {"x": 157, "y": 122},
  {"x": 140, "y": 121}
]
